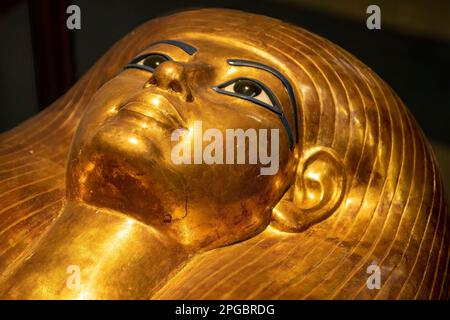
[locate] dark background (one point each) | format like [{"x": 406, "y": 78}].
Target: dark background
[{"x": 40, "y": 59}]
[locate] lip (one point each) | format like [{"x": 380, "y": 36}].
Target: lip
[{"x": 166, "y": 117}]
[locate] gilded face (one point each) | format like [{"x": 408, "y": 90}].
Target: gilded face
[{"x": 123, "y": 154}]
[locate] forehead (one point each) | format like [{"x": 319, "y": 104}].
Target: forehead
[{"x": 210, "y": 47}]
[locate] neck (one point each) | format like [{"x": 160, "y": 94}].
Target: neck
[{"x": 92, "y": 253}]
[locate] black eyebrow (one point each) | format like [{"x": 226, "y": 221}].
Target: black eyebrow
[
  {"x": 279, "y": 75},
  {"x": 180, "y": 44}
]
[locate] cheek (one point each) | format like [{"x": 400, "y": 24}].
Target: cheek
[
  {"x": 218, "y": 111},
  {"x": 229, "y": 169},
  {"x": 227, "y": 176}
]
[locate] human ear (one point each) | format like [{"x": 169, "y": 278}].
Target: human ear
[{"x": 316, "y": 193}]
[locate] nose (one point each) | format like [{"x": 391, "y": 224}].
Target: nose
[{"x": 172, "y": 75}]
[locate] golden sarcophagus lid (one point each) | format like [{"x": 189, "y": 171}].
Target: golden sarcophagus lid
[{"x": 136, "y": 183}]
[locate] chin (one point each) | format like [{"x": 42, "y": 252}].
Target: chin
[{"x": 125, "y": 172}]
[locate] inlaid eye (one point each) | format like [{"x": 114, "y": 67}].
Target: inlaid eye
[
  {"x": 148, "y": 62},
  {"x": 248, "y": 89},
  {"x": 154, "y": 60}
]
